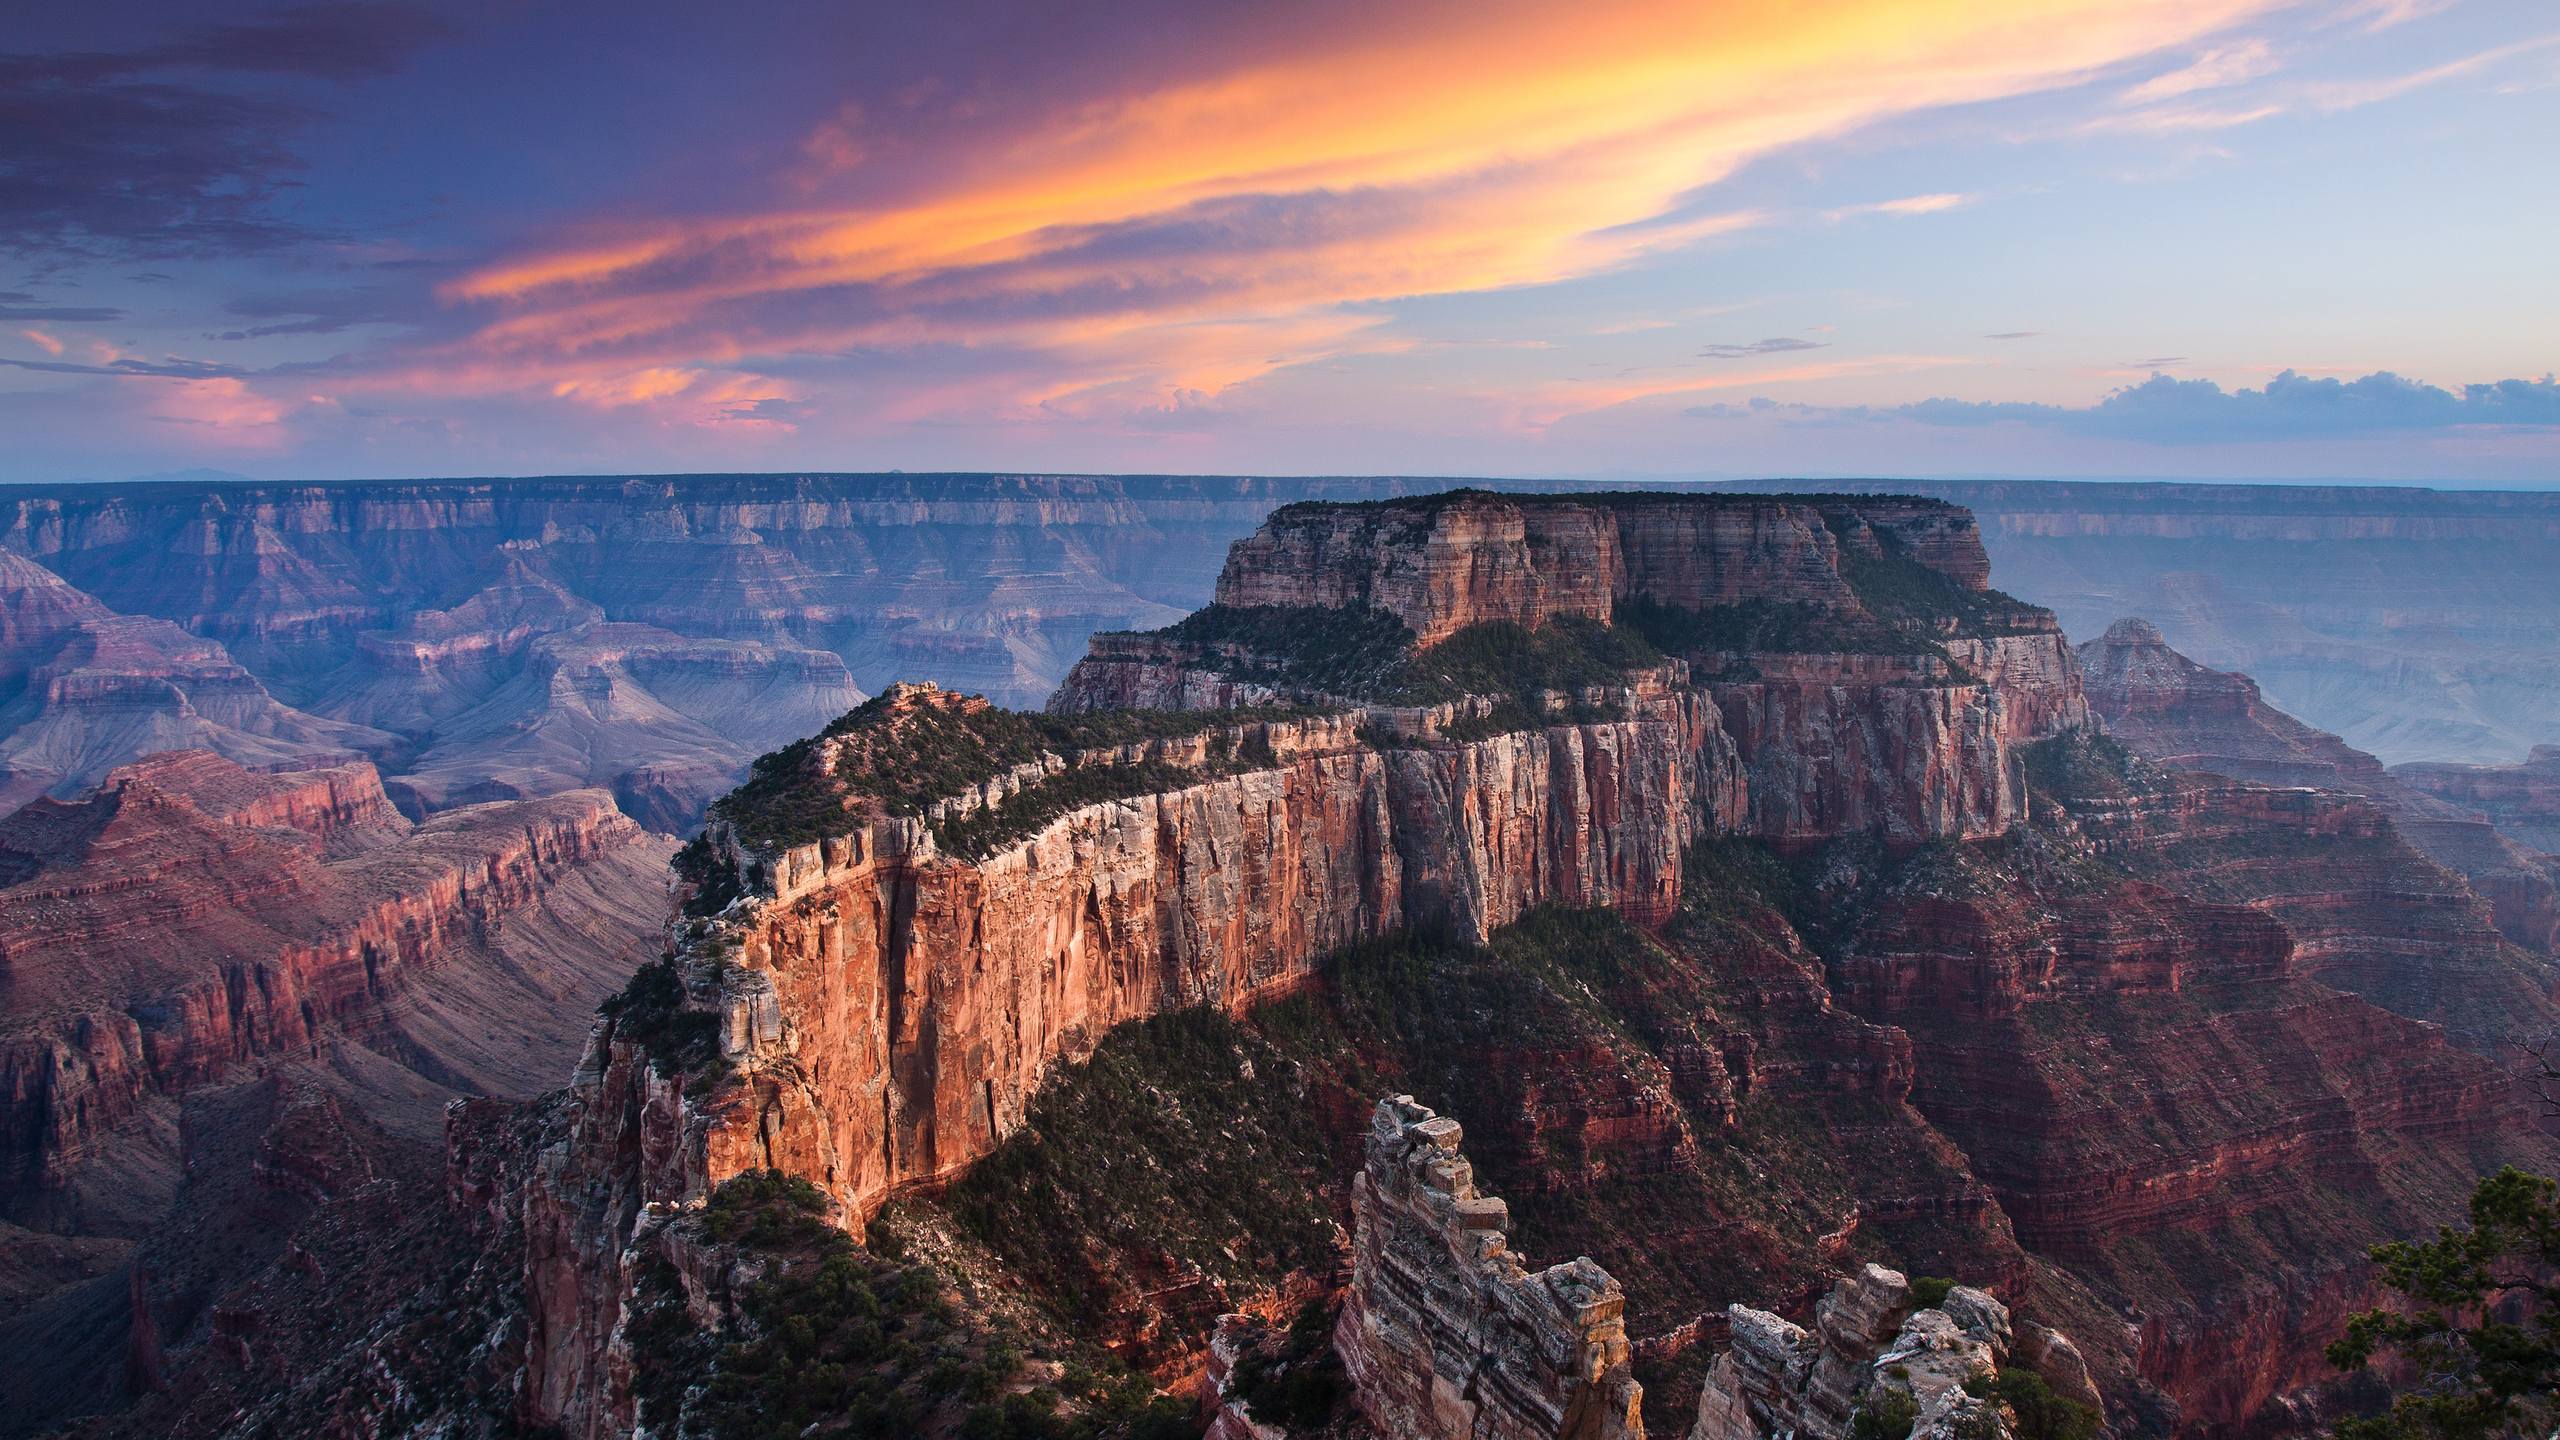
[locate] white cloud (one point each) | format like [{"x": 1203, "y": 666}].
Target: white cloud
[{"x": 2214, "y": 69}]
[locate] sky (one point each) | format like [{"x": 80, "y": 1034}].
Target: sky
[{"x": 1718, "y": 238}]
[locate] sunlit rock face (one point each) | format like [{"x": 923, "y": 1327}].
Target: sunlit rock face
[
  {"x": 887, "y": 1008},
  {"x": 2021, "y": 984}
]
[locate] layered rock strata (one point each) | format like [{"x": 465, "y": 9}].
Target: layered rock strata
[
  {"x": 2523, "y": 801},
  {"x": 192, "y": 916},
  {"x": 1445, "y": 562},
  {"x": 83, "y": 690},
  {"x": 1445, "y": 1333},
  {"x": 885, "y": 1009},
  {"x": 2413, "y": 623},
  {"x": 1909, "y": 738},
  {"x": 2181, "y": 715}
]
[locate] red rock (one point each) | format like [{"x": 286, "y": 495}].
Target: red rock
[{"x": 193, "y": 916}]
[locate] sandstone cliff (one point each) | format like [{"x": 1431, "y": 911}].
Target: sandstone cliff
[
  {"x": 884, "y": 1009},
  {"x": 2409, "y": 622},
  {"x": 2523, "y": 801},
  {"x": 909, "y": 925}
]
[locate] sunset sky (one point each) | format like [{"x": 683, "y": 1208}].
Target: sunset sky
[{"x": 1721, "y": 238}]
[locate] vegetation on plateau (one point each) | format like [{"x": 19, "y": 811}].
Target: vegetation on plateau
[
  {"x": 901, "y": 757},
  {"x": 833, "y": 1340},
  {"x": 1369, "y": 654}
]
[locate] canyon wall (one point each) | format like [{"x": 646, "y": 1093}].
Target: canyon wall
[
  {"x": 191, "y": 917},
  {"x": 2406, "y": 621},
  {"x": 2522, "y": 801},
  {"x": 2473, "y": 821},
  {"x": 1446, "y": 562},
  {"x": 2025, "y": 1023},
  {"x": 992, "y": 581},
  {"x": 886, "y": 1010}
]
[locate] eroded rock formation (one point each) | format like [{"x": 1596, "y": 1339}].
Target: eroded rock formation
[
  {"x": 2411, "y": 622},
  {"x": 1870, "y": 1345},
  {"x": 868, "y": 1007},
  {"x": 1448, "y": 1335},
  {"x": 2523, "y": 801}
]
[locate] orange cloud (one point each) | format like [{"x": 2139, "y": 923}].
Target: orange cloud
[
  {"x": 47, "y": 343},
  {"x": 1202, "y": 233}
]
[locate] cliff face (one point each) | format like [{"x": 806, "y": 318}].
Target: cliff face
[
  {"x": 1468, "y": 558},
  {"x": 232, "y": 1002},
  {"x": 887, "y": 1009},
  {"x": 2006, "y": 1028},
  {"x": 83, "y": 690},
  {"x": 2523, "y": 801},
  {"x": 2184, "y": 716},
  {"x": 1904, "y": 732},
  {"x": 1872, "y": 1344}
]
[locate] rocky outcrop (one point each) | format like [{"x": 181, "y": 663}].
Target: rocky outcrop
[
  {"x": 2522, "y": 801},
  {"x": 1464, "y": 558},
  {"x": 886, "y": 1010},
  {"x": 1438, "y": 565},
  {"x": 1869, "y": 1347},
  {"x": 938, "y": 992},
  {"x": 1824, "y": 756},
  {"x": 1445, "y": 1333},
  {"x": 2184, "y": 716},
  {"x": 2030, "y": 1022}
]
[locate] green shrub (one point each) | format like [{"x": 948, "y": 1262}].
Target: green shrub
[
  {"x": 1930, "y": 1291},
  {"x": 837, "y": 1341},
  {"x": 903, "y": 757},
  {"x": 649, "y": 1011},
  {"x": 2038, "y": 1412},
  {"x": 1887, "y": 1413},
  {"x": 1298, "y": 1384}
]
